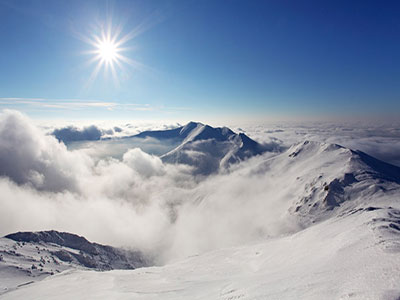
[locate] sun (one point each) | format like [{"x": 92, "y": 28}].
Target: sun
[
  {"x": 108, "y": 45},
  {"x": 107, "y": 51}
]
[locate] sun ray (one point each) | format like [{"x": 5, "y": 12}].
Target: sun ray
[
  {"x": 109, "y": 44},
  {"x": 93, "y": 75},
  {"x": 107, "y": 47}
]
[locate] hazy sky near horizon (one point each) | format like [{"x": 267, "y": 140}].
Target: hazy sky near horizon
[{"x": 191, "y": 59}]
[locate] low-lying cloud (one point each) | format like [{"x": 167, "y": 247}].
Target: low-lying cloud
[
  {"x": 137, "y": 201},
  {"x": 73, "y": 134},
  {"x": 27, "y": 156},
  {"x": 376, "y": 139}
]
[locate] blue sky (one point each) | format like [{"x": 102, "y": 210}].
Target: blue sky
[{"x": 203, "y": 59}]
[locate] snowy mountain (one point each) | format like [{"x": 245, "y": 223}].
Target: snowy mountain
[
  {"x": 343, "y": 241},
  {"x": 207, "y": 148},
  {"x": 327, "y": 179},
  {"x": 26, "y": 257}
]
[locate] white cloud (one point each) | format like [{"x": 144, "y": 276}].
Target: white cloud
[
  {"x": 27, "y": 156},
  {"x": 83, "y": 104},
  {"x": 143, "y": 163},
  {"x": 137, "y": 200}
]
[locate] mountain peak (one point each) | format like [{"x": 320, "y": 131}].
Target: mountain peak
[
  {"x": 330, "y": 177},
  {"x": 205, "y": 147},
  {"x": 208, "y": 148},
  {"x": 193, "y": 124},
  {"x": 313, "y": 147}
]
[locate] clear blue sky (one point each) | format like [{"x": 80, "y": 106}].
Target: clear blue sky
[{"x": 202, "y": 58}]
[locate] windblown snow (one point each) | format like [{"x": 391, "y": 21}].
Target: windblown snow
[{"x": 220, "y": 216}]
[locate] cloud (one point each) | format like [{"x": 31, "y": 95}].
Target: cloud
[
  {"x": 73, "y": 104},
  {"x": 143, "y": 163},
  {"x": 83, "y": 104},
  {"x": 381, "y": 140},
  {"x": 72, "y": 134},
  {"x": 137, "y": 201},
  {"x": 93, "y": 132},
  {"x": 116, "y": 147},
  {"x": 28, "y": 156}
]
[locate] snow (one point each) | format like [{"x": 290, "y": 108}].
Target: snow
[
  {"x": 324, "y": 261},
  {"x": 209, "y": 149},
  {"x": 17, "y": 259},
  {"x": 29, "y": 257}
]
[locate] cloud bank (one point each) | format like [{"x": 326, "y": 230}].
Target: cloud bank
[
  {"x": 380, "y": 140},
  {"x": 72, "y": 134},
  {"x": 137, "y": 201},
  {"x": 94, "y": 132}
]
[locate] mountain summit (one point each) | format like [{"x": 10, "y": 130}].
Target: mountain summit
[
  {"x": 322, "y": 180},
  {"x": 207, "y": 148}
]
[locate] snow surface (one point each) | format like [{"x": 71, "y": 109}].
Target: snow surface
[
  {"x": 24, "y": 263},
  {"x": 27, "y": 257},
  {"x": 341, "y": 258}
]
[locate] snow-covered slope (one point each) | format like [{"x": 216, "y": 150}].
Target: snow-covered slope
[
  {"x": 327, "y": 179},
  {"x": 345, "y": 245},
  {"x": 265, "y": 197},
  {"x": 206, "y": 148},
  {"x": 26, "y": 257},
  {"x": 179, "y": 133},
  {"x": 341, "y": 258}
]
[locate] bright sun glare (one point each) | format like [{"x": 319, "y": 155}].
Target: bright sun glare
[{"x": 107, "y": 48}]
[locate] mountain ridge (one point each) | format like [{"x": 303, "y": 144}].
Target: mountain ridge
[
  {"x": 343, "y": 179},
  {"x": 32, "y": 256}
]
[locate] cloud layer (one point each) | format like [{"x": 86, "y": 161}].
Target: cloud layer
[
  {"x": 27, "y": 156},
  {"x": 380, "y": 140},
  {"x": 136, "y": 200}
]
